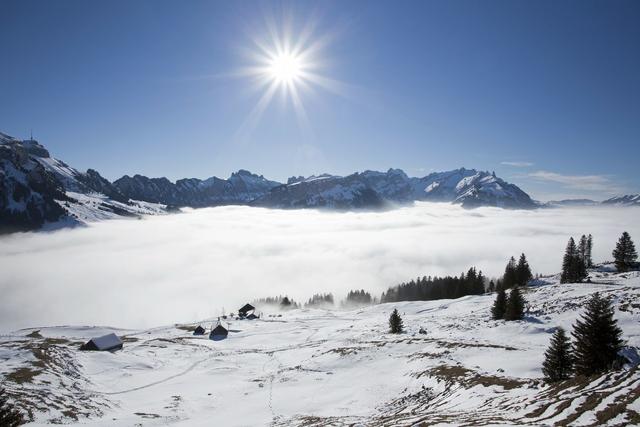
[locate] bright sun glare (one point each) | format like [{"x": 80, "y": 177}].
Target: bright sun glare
[
  {"x": 287, "y": 62},
  {"x": 285, "y": 68}
]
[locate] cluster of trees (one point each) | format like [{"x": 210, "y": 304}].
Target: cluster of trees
[
  {"x": 515, "y": 274},
  {"x": 9, "y": 415},
  {"x": 577, "y": 257},
  {"x": 597, "y": 340},
  {"x": 433, "y": 288},
  {"x": 281, "y": 301},
  {"x": 574, "y": 263},
  {"x": 360, "y": 297},
  {"x": 320, "y": 300},
  {"x": 508, "y": 308}
]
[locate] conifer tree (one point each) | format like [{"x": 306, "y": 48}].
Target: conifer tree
[
  {"x": 573, "y": 268},
  {"x": 509, "y": 279},
  {"x": 582, "y": 248},
  {"x": 523, "y": 271},
  {"x": 558, "y": 361},
  {"x": 395, "y": 322},
  {"x": 597, "y": 338},
  {"x": 499, "y": 305},
  {"x": 588, "y": 259},
  {"x": 515, "y": 305},
  {"x": 625, "y": 254},
  {"x": 9, "y": 416}
]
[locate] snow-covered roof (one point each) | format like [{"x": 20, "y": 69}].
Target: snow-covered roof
[{"x": 107, "y": 342}]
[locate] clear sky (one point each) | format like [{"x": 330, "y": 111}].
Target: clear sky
[{"x": 547, "y": 94}]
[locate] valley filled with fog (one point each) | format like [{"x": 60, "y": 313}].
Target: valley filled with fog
[{"x": 184, "y": 267}]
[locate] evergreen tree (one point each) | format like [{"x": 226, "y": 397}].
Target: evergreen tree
[
  {"x": 558, "y": 362},
  {"x": 515, "y": 305},
  {"x": 395, "y": 323},
  {"x": 588, "y": 259},
  {"x": 285, "y": 302},
  {"x": 499, "y": 305},
  {"x": 625, "y": 254},
  {"x": 9, "y": 415},
  {"x": 596, "y": 338},
  {"x": 523, "y": 271},
  {"x": 573, "y": 267},
  {"x": 510, "y": 276}
]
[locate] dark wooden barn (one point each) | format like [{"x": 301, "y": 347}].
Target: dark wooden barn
[
  {"x": 219, "y": 332},
  {"x": 245, "y": 310}
]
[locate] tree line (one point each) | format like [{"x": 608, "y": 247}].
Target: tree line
[{"x": 433, "y": 288}]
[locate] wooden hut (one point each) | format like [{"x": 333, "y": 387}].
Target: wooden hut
[{"x": 109, "y": 342}]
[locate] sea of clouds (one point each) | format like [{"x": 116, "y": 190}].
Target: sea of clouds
[{"x": 189, "y": 266}]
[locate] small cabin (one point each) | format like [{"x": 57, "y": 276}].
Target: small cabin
[
  {"x": 199, "y": 330},
  {"x": 252, "y": 316},
  {"x": 110, "y": 342},
  {"x": 219, "y": 332},
  {"x": 245, "y": 310}
]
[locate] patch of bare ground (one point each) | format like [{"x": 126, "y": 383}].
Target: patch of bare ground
[
  {"x": 469, "y": 378},
  {"x": 51, "y": 380}
]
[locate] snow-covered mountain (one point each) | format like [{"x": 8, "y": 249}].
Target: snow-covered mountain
[
  {"x": 311, "y": 367},
  {"x": 241, "y": 188},
  {"x": 37, "y": 190},
  {"x": 468, "y": 187},
  {"x": 628, "y": 200}
]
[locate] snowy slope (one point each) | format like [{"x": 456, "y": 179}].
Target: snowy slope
[{"x": 319, "y": 367}]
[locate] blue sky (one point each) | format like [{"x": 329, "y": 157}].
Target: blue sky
[{"x": 547, "y": 94}]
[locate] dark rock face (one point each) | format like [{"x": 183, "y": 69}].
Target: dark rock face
[
  {"x": 28, "y": 192},
  {"x": 241, "y": 188}
]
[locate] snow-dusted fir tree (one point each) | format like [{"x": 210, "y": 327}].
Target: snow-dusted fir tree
[
  {"x": 523, "y": 271},
  {"x": 515, "y": 305},
  {"x": 558, "y": 361},
  {"x": 597, "y": 338},
  {"x": 9, "y": 416},
  {"x": 499, "y": 305},
  {"x": 573, "y": 268},
  {"x": 395, "y": 322},
  {"x": 625, "y": 254}
]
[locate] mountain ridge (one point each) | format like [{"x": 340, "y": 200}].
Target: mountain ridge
[{"x": 39, "y": 190}]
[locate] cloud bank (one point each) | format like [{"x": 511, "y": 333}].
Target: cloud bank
[
  {"x": 184, "y": 267},
  {"x": 594, "y": 183}
]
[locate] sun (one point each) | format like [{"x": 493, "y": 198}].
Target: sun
[
  {"x": 289, "y": 64},
  {"x": 286, "y": 68}
]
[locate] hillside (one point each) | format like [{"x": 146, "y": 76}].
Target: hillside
[{"x": 320, "y": 368}]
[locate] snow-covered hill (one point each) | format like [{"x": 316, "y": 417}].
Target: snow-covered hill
[{"x": 319, "y": 367}]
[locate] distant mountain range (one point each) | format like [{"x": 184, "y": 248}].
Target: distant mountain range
[{"x": 37, "y": 190}]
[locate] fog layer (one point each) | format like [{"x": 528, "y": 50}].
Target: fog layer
[{"x": 176, "y": 268}]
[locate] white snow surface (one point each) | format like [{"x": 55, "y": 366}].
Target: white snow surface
[{"x": 322, "y": 367}]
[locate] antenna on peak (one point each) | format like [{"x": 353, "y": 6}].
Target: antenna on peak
[{"x": 31, "y": 134}]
